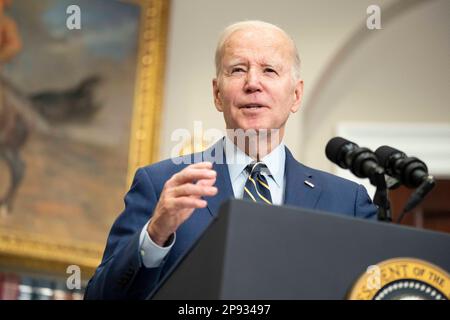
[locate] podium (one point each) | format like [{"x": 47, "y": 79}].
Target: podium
[{"x": 255, "y": 251}]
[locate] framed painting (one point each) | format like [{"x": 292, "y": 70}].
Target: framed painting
[{"x": 79, "y": 112}]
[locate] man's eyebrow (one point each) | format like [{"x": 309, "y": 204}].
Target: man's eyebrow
[
  {"x": 272, "y": 65},
  {"x": 241, "y": 62},
  {"x": 236, "y": 62}
]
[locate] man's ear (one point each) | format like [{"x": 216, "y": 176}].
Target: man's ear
[
  {"x": 216, "y": 94},
  {"x": 298, "y": 95}
]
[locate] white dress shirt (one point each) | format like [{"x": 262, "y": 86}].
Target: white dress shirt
[
  {"x": 153, "y": 254},
  {"x": 237, "y": 160}
]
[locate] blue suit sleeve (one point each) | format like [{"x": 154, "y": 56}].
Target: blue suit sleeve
[
  {"x": 121, "y": 274},
  {"x": 364, "y": 207}
]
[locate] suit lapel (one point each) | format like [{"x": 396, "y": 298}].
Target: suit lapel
[
  {"x": 216, "y": 155},
  {"x": 298, "y": 192}
]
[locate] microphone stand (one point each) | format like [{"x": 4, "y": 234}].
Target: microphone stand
[
  {"x": 381, "y": 198},
  {"x": 417, "y": 196}
]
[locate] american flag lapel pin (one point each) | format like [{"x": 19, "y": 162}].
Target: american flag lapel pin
[{"x": 309, "y": 184}]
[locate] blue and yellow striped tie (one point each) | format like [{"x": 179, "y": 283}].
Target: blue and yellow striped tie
[{"x": 256, "y": 188}]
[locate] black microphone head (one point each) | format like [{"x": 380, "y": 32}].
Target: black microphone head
[
  {"x": 335, "y": 150},
  {"x": 385, "y": 153},
  {"x": 409, "y": 170}
]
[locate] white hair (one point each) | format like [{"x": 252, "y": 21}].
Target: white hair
[{"x": 254, "y": 24}]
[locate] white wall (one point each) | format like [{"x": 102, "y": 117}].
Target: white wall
[{"x": 399, "y": 73}]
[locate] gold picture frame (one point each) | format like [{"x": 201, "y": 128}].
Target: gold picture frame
[{"x": 46, "y": 255}]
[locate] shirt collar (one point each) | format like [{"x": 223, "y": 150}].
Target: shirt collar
[{"x": 237, "y": 160}]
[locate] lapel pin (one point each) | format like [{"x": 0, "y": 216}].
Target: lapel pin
[{"x": 309, "y": 184}]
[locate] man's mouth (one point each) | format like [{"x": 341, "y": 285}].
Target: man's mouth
[{"x": 251, "y": 106}]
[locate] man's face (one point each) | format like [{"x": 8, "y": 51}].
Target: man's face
[{"x": 255, "y": 88}]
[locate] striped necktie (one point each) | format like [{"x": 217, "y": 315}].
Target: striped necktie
[{"x": 256, "y": 187}]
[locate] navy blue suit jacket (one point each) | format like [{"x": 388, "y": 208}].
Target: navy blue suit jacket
[{"x": 121, "y": 274}]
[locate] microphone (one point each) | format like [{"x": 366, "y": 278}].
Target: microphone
[
  {"x": 362, "y": 162},
  {"x": 410, "y": 171}
]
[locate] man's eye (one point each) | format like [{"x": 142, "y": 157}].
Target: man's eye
[
  {"x": 269, "y": 70},
  {"x": 237, "y": 69}
]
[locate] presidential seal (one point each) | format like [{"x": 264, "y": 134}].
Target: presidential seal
[{"x": 402, "y": 279}]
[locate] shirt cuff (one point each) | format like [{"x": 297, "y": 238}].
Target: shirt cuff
[{"x": 152, "y": 254}]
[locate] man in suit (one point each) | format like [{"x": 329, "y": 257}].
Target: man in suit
[{"x": 171, "y": 203}]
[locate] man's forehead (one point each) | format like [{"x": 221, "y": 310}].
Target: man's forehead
[
  {"x": 270, "y": 41},
  {"x": 243, "y": 43},
  {"x": 269, "y": 55},
  {"x": 257, "y": 37},
  {"x": 234, "y": 60}
]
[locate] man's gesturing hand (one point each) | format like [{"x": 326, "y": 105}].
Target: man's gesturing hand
[{"x": 180, "y": 196}]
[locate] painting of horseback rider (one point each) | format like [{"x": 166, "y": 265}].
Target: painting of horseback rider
[{"x": 67, "y": 99}]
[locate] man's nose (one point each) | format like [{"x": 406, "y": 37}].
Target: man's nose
[{"x": 253, "y": 82}]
